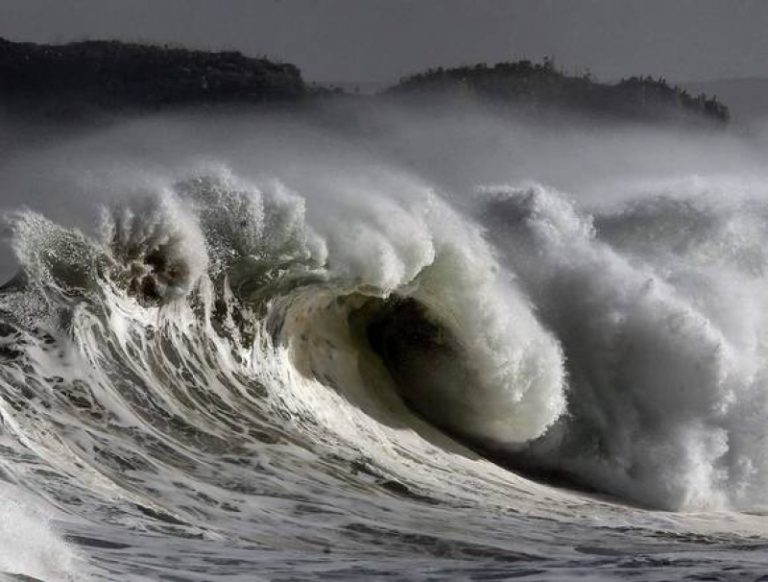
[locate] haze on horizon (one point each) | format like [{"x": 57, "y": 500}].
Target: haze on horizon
[{"x": 378, "y": 41}]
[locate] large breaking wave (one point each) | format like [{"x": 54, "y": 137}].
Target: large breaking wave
[{"x": 218, "y": 338}]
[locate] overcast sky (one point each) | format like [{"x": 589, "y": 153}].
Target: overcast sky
[{"x": 381, "y": 40}]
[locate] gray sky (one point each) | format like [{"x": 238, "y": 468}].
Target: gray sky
[{"x": 381, "y": 40}]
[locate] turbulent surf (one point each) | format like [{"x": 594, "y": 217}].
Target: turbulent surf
[{"x": 309, "y": 354}]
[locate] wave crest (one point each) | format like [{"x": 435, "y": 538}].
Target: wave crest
[{"x": 602, "y": 347}]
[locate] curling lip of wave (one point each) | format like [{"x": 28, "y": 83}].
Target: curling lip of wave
[{"x": 596, "y": 346}]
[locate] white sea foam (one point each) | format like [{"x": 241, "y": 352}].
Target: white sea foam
[
  {"x": 29, "y": 544},
  {"x": 228, "y": 354}
]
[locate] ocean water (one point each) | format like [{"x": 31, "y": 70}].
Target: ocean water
[{"x": 401, "y": 349}]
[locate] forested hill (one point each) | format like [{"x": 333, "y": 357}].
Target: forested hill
[
  {"x": 81, "y": 77},
  {"x": 78, "y": 80},
  {"x": 540, "y": 88}
]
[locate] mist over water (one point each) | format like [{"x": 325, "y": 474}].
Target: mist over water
[{"x": 375, "y": 343}]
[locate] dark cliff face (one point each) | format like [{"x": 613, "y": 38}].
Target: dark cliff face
[
  {"x": 540, "y": 88},
  {"x": 84, "y": 77}
]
